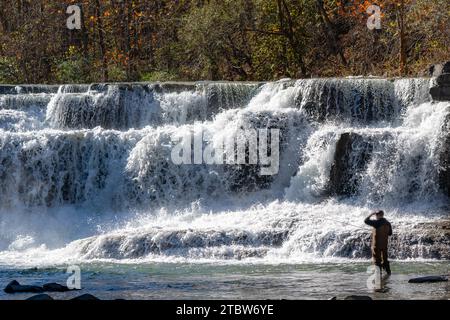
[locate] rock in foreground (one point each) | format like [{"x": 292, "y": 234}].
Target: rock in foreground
[
  {"x": 40, "y": 297},
  {"x": 85, "y": 297},
  {"x": 353, "y": 297}
]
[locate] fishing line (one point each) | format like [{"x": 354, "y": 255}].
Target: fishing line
[{"x": 344, "y": 223}]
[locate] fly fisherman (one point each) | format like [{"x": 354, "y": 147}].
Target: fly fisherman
[{"x": 382, "y": 229}]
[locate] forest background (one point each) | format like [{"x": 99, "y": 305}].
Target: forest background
[{"x": 236, "y": 40}]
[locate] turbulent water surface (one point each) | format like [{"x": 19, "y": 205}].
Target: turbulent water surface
[{"x": 86, "y": 177}]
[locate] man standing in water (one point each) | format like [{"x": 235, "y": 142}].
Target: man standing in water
[{"x": 382, "y": 229}]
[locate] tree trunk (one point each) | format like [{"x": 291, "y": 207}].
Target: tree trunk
[
  {"x": 289, "y": 33},
  {"x": 332, "y": 30},
  {"x": 84, "y": 34},
  {"x": 401, "y": 25},
  {"x": 101, "y": 37}
]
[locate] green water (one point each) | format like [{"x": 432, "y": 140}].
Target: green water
[{"x": 245, "y": 281}]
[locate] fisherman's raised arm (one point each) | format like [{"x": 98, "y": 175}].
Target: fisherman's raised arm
[{"x": 370, "y": 222}]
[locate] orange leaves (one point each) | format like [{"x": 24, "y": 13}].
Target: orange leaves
[
  {"x": 358, "y": 8},
  {"x": 118, "y": 57},
  {"x": 354, "y": 8}
]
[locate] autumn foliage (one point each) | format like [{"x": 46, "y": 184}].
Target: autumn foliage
[{"x": 134, "y": 40}]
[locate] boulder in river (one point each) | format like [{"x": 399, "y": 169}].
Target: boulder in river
[
  {"x": 16, "y": 287},
  {"x": 428, "y": 279},
  {"x": 55, "y": 287}
]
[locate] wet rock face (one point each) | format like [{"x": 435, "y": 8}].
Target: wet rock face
[
  {"x": 222, "y": 96},
  {"x": 444, "y": 159},
  {"x": 168, "y": 242},
  {"x": 119, "y": 106},
  {"x": 426, "y": 240},
  {"x": 7, "y": 89},
  {"x": 365, "y": 100},
  {"x": 441, "y": 92},
  {"x": 247, "y": 177},
  {"x": 350, "y": 158},
  {"x": 438, "y": 69},
  {"x": 13, "y": 89}
]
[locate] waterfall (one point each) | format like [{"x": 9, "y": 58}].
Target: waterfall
[{"x": 102, "y": 153}]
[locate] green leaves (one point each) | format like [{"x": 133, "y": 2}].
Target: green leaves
[{"x": 9, "y": 70}]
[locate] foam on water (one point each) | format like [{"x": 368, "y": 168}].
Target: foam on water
[{"x": 278, "y": 232}]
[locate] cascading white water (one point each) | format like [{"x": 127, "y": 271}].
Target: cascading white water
[{"x": 98, "y": 157}]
